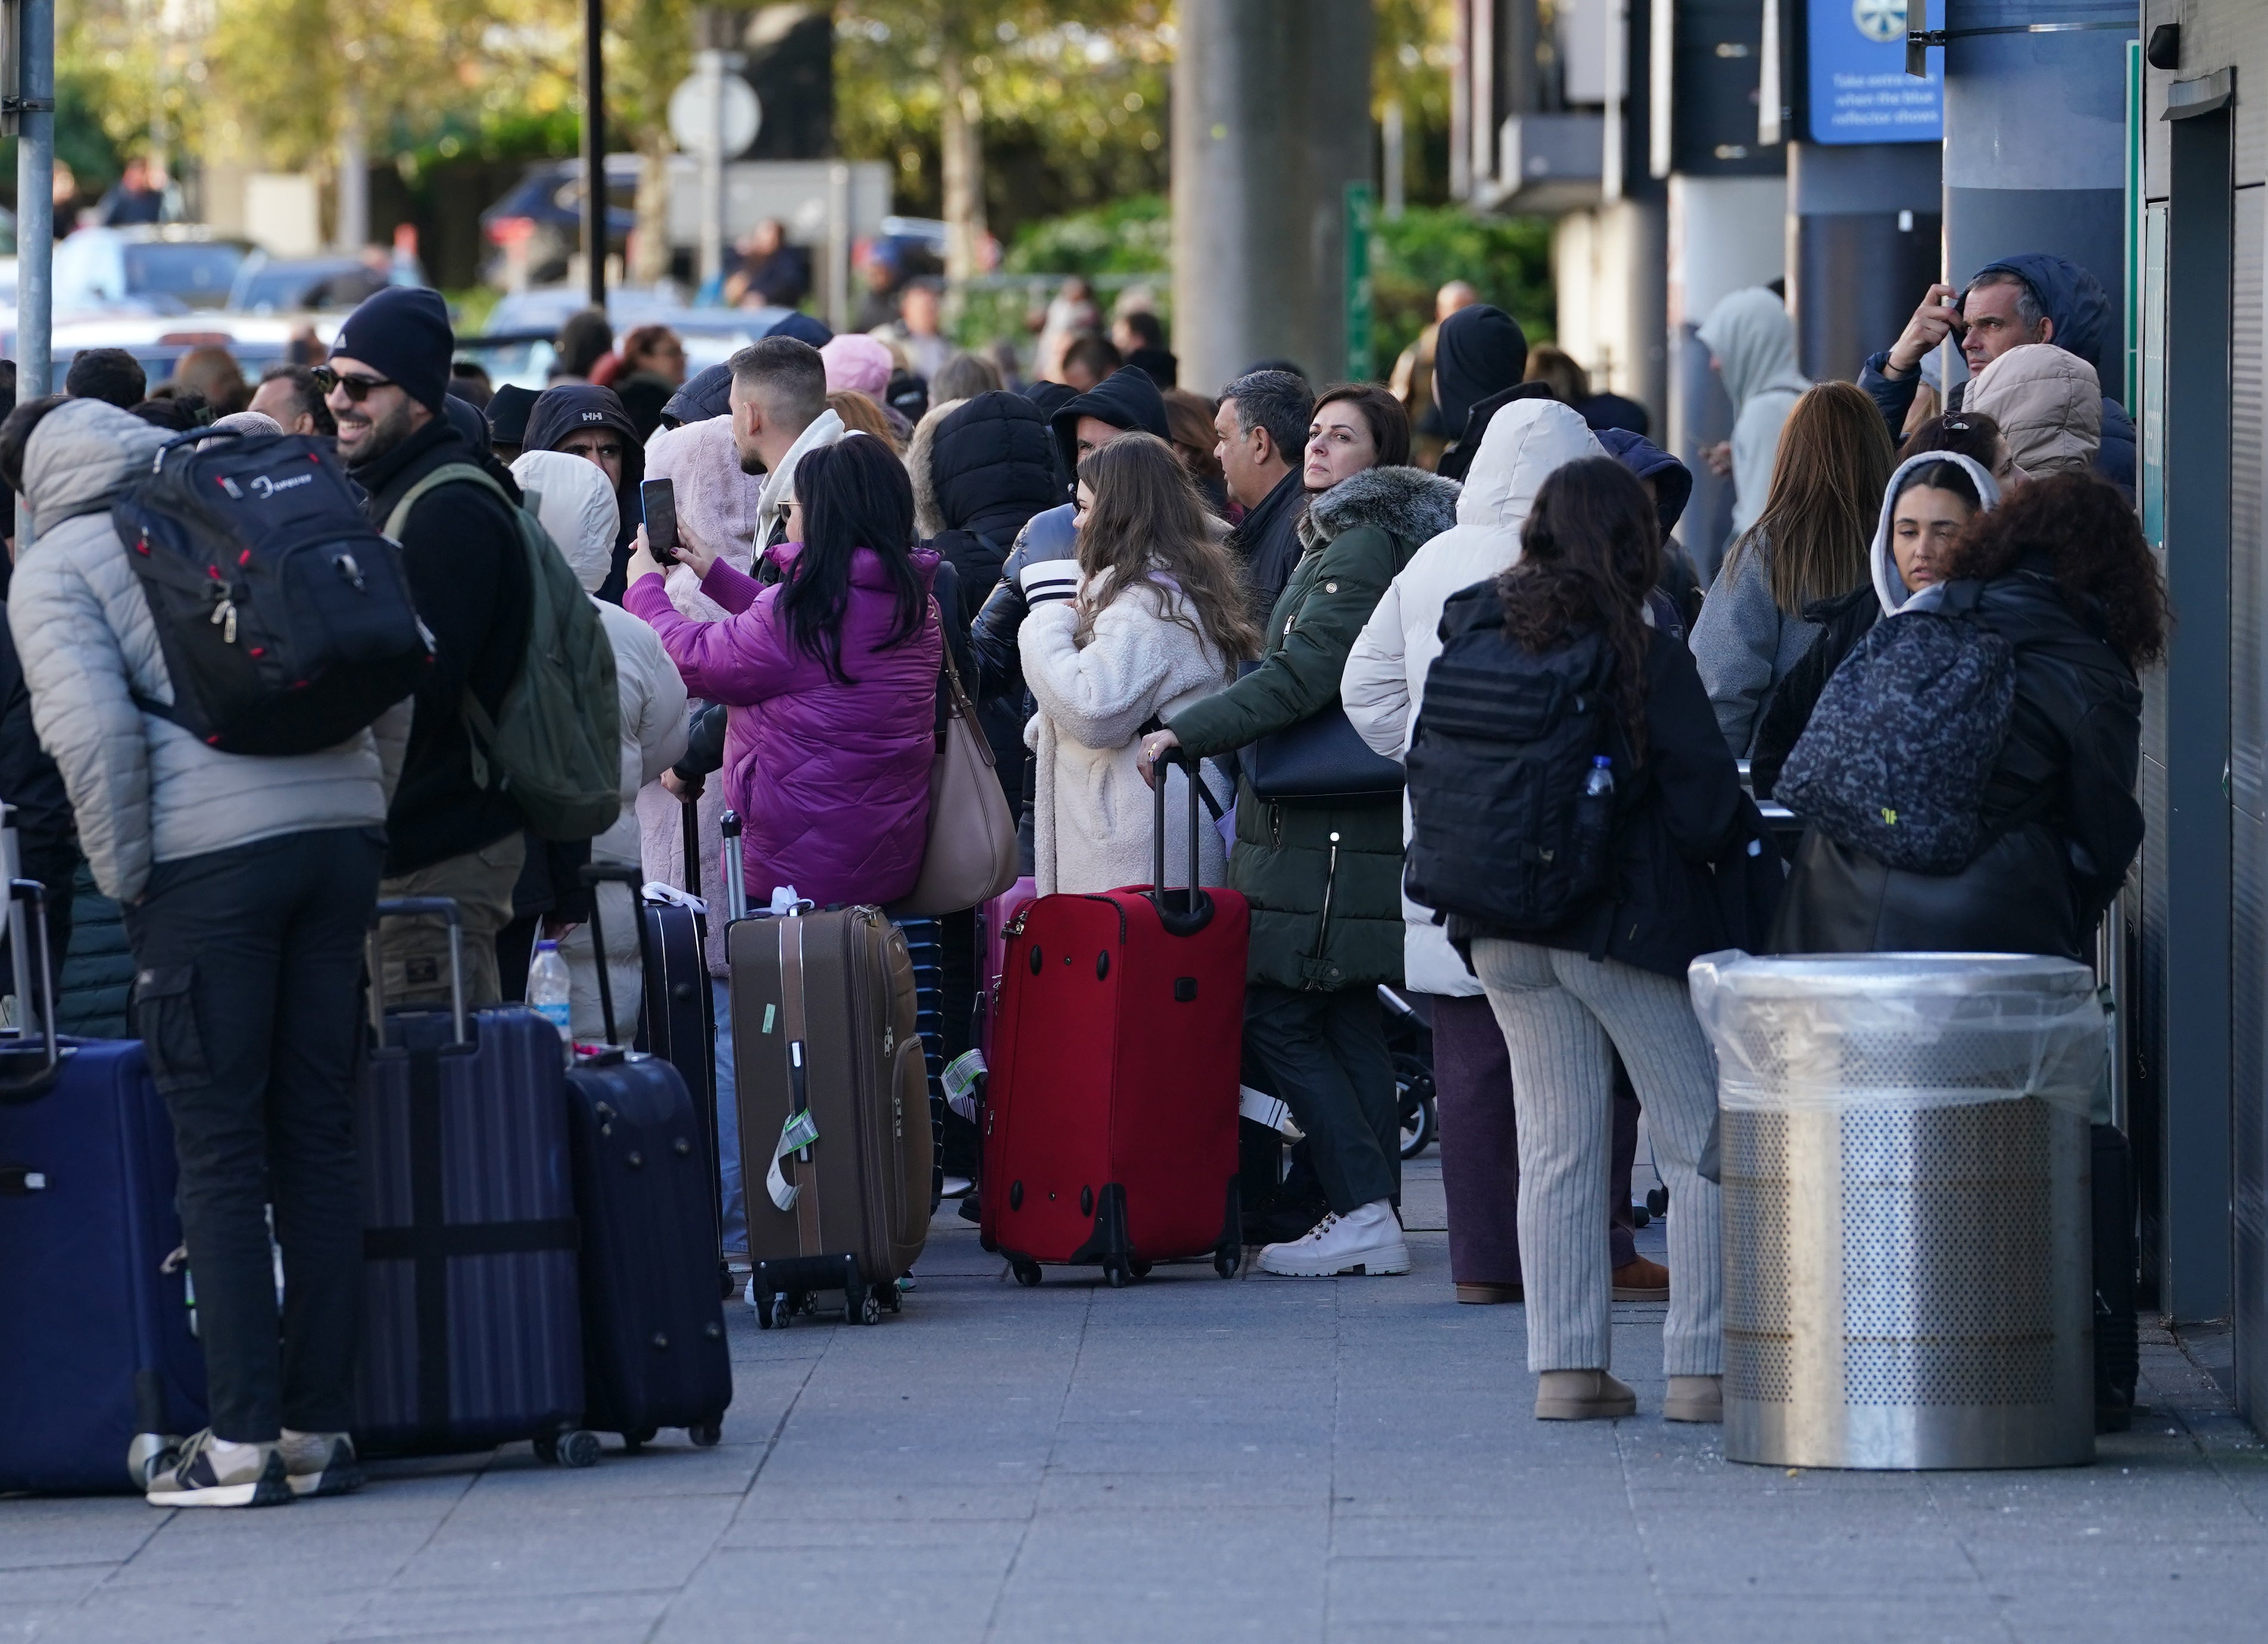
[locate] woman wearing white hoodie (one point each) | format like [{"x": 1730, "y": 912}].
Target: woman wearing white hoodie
[
  {"x": 1150, "y": 617},
  {"x": 576, "y": 505},
  {"x": 1382, "y": 692}
]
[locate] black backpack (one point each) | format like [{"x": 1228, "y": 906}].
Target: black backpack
[
  {"x": 284, "y": 617},
  {"x": 1896, "y": 758},
  {"x": 1503, "y": 832}
]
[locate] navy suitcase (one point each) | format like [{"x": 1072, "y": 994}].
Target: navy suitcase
[
  {"x": 472, "y": 1330},
  {"x": 102, "y": 1368},
  {"x": 645, "y": 1185}
]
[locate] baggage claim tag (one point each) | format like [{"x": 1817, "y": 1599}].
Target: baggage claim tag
[
  {"x": 1261, "y": 1109},
  {"x": 960, "y": 1082},
  {"x": 798, "y": 1132}
]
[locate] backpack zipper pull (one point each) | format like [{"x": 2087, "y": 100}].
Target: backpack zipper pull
[{"x": 223, "y": 617}]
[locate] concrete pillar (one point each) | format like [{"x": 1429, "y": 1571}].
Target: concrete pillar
[
  {"x": 1865, "y": 241},
  {"x": 1271, "y": 122},
  {"x": 2035, "y": 137}
]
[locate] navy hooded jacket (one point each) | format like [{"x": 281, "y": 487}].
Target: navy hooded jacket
[
  {"x": 2074, "y": 300},
  {"x": 571, "y": 408},
  {"x": 1126, "y": 399}
]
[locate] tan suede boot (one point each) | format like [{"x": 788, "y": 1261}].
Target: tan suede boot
[
  {"x": 1582, "y": 1396},
  {"x": 1481, "y": 1295},
  {"x": 1695, "y": 1399}
]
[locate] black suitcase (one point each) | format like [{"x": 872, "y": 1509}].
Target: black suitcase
[
  {"x": 645, "y": 1183},
  {"x": 472, "y": 1330}
]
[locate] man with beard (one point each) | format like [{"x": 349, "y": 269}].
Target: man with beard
[
  {"x": 449, "y": 832},
  {"x": 779, "y": 411}
]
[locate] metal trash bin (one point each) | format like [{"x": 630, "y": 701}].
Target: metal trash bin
[{"x": 1903, "y": 1141}]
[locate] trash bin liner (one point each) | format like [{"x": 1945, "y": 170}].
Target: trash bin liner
[{"x": 1907, "y": 1256}]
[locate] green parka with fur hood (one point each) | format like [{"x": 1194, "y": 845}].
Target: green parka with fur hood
[{"x": 1356, "y": 536}]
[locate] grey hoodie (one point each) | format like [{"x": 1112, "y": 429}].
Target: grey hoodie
[
  {"x": 1753, "y": 342},
  {"x": 145, "y": 791},
  {"x": 1889, "y": 587}
]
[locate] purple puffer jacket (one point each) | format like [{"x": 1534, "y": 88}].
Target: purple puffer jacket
[{"x": 831, "y": 780}]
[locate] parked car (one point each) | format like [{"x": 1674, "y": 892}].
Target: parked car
[
  {"x": 542, "y": 220},
  {"x": 269, "y": 285},
  {"x": 159, "y": 341},
  {"x": 169, "y": 269}
]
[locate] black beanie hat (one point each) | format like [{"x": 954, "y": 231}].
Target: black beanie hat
[{"x": 402, "y": 332}]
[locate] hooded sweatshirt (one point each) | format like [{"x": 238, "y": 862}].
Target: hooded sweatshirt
[
  {"x": 1890, "y": 590},
  {"x": 2048, "y": 404},
  {"x": 707, "y": 392},
  {"x": 144, "y": 790},
  {"x": 1126, "y": 399},
  {"x": 572, "y": 499},
  {"x": 1753, "y": 342},
  {"x": 1673, "y": 487},
  {"x": 1384, "y": 685},
  {"x": 571, "y": 409}
]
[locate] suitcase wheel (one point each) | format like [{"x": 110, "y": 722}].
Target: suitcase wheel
[
  {"x": 1226, "y": 1262},
  {"x": 1027, "y": 1273},
  {"x": 1657, "y": 1200},
  {"x": 705, "y": 1434},
  {"x": 1115, "y": 1271},
  {"x": 867, "y": 1311},
  {"x": 577, "y": 1447},
  {"x": 1141, "y": 1268},
  {"x": 776, "y": 1315}
]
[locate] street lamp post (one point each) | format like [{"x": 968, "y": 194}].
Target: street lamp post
[
  {"x": 594, "y": 151},
  {"x": 34, "y": 116}
]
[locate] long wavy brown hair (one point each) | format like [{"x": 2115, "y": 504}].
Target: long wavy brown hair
[
  {"x": 1834, "y": 460},
  {"x": 1589, "y": 554},
  {"x": 1146, "y": 519},
  {"x": 2079, "y": 529}
]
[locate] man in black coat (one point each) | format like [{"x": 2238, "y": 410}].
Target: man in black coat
[
  {"x": 1262, "y": 424},
  {"x": 450, "y": 832},
  {"x": 591, "y": 423}
]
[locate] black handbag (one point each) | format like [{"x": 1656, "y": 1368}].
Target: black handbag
[{"x": 1320, "y": 759}]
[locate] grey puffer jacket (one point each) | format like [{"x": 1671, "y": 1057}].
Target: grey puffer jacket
[{"x": 145, "y": 791}]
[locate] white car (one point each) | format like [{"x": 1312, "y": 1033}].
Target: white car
[{"x": 171, "y": 269}]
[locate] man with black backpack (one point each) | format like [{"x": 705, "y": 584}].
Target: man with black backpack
[
  {"x": 453, "y": 830},
  {"x": 239, "y": 822}
]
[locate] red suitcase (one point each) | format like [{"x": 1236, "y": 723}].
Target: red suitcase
[
  {"x": 1110, "y": 1111},
  {"x": 993, "y": 922}
]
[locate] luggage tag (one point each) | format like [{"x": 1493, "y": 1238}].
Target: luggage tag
[
  {"x": 960, "y": 1082},
  {"x": 798, "y": 1132},
  {"x": 1262, "y": 1110}
]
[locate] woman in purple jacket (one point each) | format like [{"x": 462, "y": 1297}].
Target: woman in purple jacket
[{"x": 830, "y": 675}]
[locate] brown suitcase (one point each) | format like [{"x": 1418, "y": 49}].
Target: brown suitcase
[{"x": 823, "y": 1021}]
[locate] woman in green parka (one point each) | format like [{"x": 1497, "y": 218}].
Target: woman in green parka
[{"x": 1325, "y": 878}]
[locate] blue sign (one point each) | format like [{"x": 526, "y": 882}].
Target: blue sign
[{"x": 1858, "y": 87}]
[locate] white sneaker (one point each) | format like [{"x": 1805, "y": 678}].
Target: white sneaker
[{"x": 1367, "y": 1240}]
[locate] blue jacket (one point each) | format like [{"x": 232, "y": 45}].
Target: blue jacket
[{"x": 2084, "y": 326}]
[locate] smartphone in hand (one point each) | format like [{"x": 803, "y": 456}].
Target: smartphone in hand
[{"x": 659, "y": 500}]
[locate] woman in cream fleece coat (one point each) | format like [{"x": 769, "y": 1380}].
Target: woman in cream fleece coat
[{"x": 1149, "y": 618}]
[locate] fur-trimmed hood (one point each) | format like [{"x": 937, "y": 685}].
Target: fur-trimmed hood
[{"x": 1408, "y": 503}]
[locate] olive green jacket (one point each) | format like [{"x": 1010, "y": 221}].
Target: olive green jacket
[{"x": 1324, "y": 878}]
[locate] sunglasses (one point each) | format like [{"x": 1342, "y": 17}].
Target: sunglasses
[{"x": 359, "y": 387}]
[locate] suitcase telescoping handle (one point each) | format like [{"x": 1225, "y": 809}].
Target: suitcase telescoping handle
[
  {"x": 597, "y": 873},
  {"x": 736, "y": 879},
  {"x": 1183, "y": 912},
  {"x": 37, "y": 1080},
  {"x": 418, "y": 907}
]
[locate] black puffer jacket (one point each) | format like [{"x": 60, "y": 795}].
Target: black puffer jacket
[
  {"x": 980, "y": 474},
  {"x": 2059, "y": 806},
  {"x": 1675, "y": 814}
]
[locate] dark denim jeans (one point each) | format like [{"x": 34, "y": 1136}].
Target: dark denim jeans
[{"x": 247, "y": 994}]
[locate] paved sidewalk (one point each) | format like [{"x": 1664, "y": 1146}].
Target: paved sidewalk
[{"x": 1187, "y": 1460}]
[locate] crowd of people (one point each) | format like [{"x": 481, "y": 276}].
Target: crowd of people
[{"x": 1122, "y": 570}]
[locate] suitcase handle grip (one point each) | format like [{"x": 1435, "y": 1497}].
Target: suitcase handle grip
[
  {"x": 419, "y": 907},
  {"x": 595, "y": 874},
  {"x": 1183, "y": 912},
  {"x": 735, "y": 876},
  {"x": 32, "y": 1085}
]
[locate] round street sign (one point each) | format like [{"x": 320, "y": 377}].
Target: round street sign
[{"x": 690, "y": 113}]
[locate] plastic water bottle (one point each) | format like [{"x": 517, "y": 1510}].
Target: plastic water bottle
[
  {"x": 550, "y": 991},
  {"x": 1600, "y": 783},
  {"x": 1595, "y": 824}
]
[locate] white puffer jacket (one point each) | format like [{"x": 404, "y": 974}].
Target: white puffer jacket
[
  {"x": 1384, "y": 683},
  {"x": 572, "y": 498},
  {"x": 1093, "y": 817},
  {"x": 144, "y": 790}
]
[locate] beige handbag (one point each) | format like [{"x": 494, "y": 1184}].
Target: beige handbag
[{"x": 971, "y": 856}]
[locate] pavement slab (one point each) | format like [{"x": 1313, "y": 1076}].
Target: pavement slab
[{"x": 1187, "y": 1460}]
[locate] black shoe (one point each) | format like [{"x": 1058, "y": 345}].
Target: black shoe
[{"x": 1287, "y": 1216}]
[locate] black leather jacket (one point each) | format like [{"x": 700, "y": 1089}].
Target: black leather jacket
[{"x": 2059, "y": 805}]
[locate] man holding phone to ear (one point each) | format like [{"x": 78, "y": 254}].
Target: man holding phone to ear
[{"x": 2032, "y": 298}]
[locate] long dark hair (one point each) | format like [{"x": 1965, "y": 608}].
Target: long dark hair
[
  {"x": 2080, "y": 527},
  {"x": 1589, "y": 554},
  {"x": 1835, "y": 461},
  {"x": 855, "y": 494},
  {"x": 1147, "y": 518}
]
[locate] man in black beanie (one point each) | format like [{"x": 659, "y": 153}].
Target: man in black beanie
[{"x": 449, "y": 833}]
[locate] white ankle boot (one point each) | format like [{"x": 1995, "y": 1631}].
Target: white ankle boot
[{"x": 1366, "y": 1240}]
